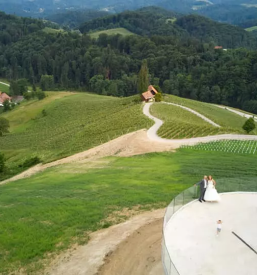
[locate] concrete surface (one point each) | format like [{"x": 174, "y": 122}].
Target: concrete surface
[{"x": 196, "y": 250}]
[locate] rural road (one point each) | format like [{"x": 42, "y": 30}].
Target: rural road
[
  {"x": 4, "y": 84},
  {"x": 152, "y": 133}
]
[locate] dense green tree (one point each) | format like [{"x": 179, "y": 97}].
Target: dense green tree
[
  {"x": 46, "y": 82},
  {"x": 249, "y": 125},
  {"x": 143, "y": 78},
  {"x": 4, "y": 126},
  {"x": 19, "y": 87}
]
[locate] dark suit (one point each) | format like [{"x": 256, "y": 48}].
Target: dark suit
[{"x": 203, "y": 185}]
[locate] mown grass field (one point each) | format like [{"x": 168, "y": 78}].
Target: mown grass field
[
  {"x": 231, "y": 122},
  {"x": 70, "y": 123},
  {"x": 4, "y": 88},
  {"x": 254, "y": 28},
  {"x": 115, "y": 31},
  {"x": 54, "y": 31},
  {"x": 179, "y": 123},
  {"x": 48, "y": 212}
]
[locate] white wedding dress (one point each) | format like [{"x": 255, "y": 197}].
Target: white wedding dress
[{"x": 211, "y": 193}]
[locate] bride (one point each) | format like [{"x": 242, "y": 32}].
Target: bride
[{"x": 211, "y": 193}]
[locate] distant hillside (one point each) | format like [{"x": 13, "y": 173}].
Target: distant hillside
[
  {"x": 210, "y": 31},
  {"x": 120, "y": 31},
  {"x": 73, "y": 19},
  {"x": 147, "y": 21},
  {"x": 184, "y": 26},
  {"x": 230, "y": 13}
]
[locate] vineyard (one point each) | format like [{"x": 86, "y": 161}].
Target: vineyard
[
  {"x": 224, "y": 118},
  {"x": 228, "y": 146},
  {"x": 68, "y": 125},
  {"x": 179, "y": 123}
]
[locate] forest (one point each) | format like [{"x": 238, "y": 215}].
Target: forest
[{"x": 180, "y": 65}]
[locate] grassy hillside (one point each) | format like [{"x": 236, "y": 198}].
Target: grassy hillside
[
  {"x": 180, "y": 123},
  {"x": 52, "y": 210},
  {"x": 254, "y": 28},
  {"x": 54, "y": 31},
  {"x": 231, "y": 122},
  {"x": 115, "y": 31},
  {"x": 70, "y": 123},
  {"x": 4, "y": 88}
]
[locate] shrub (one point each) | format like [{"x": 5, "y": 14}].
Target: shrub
[
  {"x": 40, "y": 95},
  {"x": 158, "y": 97},
  {"x": 249, "y": 125},
  {"x": 30, "y": 162},
  {"x": 4, "y": 126}
]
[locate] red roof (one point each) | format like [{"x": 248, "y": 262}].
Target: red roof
[
  {"x": 4, "y": 97},
  {"x": 217, "y": 47},
  {"x": 150, "y": 93}
]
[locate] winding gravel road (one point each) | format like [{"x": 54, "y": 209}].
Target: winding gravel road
[
  {"x": 152, "y": 133},
  {"x": 4, "y": 84}
]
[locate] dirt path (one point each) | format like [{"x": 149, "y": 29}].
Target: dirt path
[
  {"x": 135, "y": 143},
  {"x": 132, "y": 247}
]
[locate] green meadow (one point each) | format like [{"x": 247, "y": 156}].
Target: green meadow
[
  {"x": 121, "y": 31},
  {"x": 4, "y": 88},
  {"x": 47, "y": 213}
]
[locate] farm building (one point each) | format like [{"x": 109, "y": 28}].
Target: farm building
[
  {"x": 3, "y": 98},
  {"x": 17, "y": 99},
  {"x": 149, "y": 94}
]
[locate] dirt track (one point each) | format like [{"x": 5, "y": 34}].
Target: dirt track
[
  {"x": 132, "y": 247},
  {"x": 139, "y": 254},
  {"x": 128, "y": 145}
]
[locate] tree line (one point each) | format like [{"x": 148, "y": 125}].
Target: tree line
[{"x": 186, "y": 67}]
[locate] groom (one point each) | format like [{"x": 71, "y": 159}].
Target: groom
[{"x": 203, "y": 186}]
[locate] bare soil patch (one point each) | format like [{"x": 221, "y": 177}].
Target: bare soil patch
[
  {"x": 135, "y": 143},
  {"x": 132, "y": 247}
]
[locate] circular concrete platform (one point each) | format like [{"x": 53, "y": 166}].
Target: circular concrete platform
[{"x": 195, "y": 249}]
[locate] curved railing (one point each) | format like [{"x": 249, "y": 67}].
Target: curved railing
[{"x": 191, "y": 194}]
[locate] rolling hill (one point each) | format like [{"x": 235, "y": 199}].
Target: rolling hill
[
  {"x": 84, "y": 121},
  {"x": 174, "y": 24}
]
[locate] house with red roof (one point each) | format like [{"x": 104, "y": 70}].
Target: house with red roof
[
  {"x": 149, "y": 95},
  {"x": 3, "y": 98}
]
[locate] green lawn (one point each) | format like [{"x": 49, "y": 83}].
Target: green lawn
[
  {"x": 230, "y": 121},
  {"x": 4, "y": 88},
  {"x": 54, "y": 31},
  {"x": 49, "y": 211},
  {"x": 71, "y": 123},
  {"x": 254, "y": 28},
  {"x": 121, "y": 31},
  {"x": 180, "y": 123}
]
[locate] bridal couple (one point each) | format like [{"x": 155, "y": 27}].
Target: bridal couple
[{"x": 208, "y": 191}]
